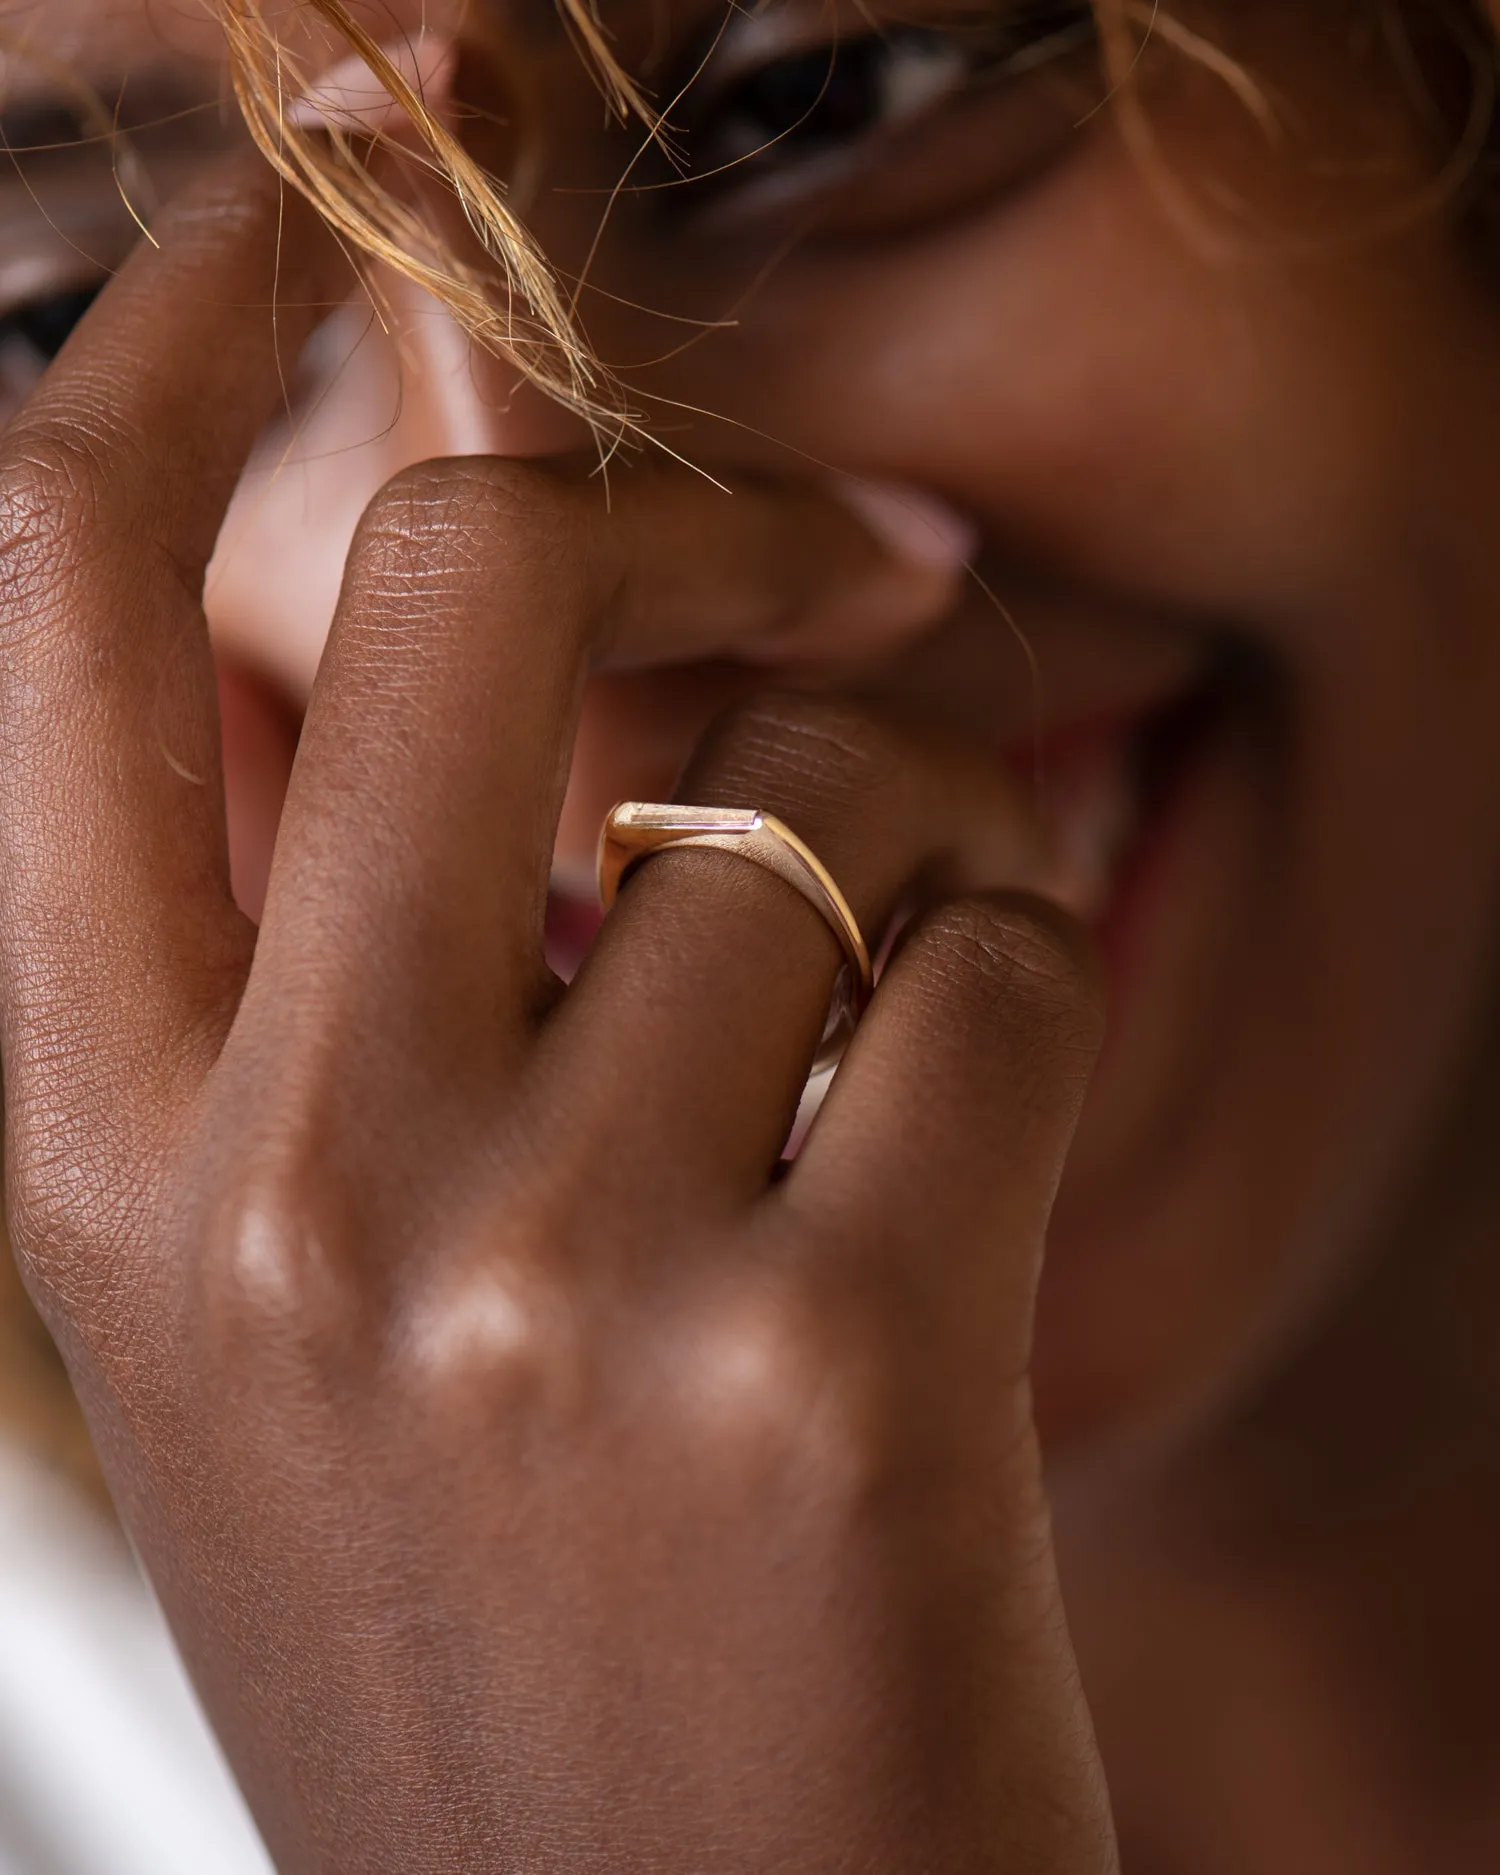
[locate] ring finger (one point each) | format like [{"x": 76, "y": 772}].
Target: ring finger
[{"x": 681, "y": 1052}]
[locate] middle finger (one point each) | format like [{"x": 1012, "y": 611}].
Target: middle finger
[{"x": 408, "y": 891}]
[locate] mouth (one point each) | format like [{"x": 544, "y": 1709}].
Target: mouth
[
  {"x": 1112, "y": 793},
  {"x": 1107, "y": 784},
  {"x": 573, "y": 923}
]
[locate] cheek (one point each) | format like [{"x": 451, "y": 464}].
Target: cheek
[
  {"x": 1295, "y": 443},
  {"x": 1216, "y": 433}
]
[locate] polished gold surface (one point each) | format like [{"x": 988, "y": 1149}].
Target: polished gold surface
[{"x": 636, "y": 829}]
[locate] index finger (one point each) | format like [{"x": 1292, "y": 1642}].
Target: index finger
[{"x": 121, "y": 951}]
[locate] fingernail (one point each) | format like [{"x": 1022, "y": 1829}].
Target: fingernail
[
  {"x": 912, "y": 524},
  {"x": 351, "y": 97}
]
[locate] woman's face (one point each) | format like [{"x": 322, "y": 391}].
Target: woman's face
[{"x": 1217, "y": 383}]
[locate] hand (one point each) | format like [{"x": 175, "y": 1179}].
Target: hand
[{"x": 531, "y": 1480}]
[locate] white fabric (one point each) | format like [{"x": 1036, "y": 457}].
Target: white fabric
[{"x": 106, "y": 1764}]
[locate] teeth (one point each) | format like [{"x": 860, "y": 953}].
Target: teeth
[
  {"x": 572, "y": 925},
  {"x": 1093, "y": 809}
]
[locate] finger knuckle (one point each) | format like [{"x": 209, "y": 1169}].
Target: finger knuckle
[
  {"x": 494, "y": 1332},
  {"x": 277, "y": 1272},
  {"x": 784, "y": 748},
  {"x": 1004, "y": 956},
  {"x": 81, "y": 487},
  {"x": 87, "y": 1154},
  {"x": 50, "y": 493},
  {"x": 80, "y": 1228},
  {"x": 778, "y": 1376},
  {"x": 438, "y": 522}
]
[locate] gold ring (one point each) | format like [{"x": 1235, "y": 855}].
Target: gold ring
[{"x": 635, "y": 829}]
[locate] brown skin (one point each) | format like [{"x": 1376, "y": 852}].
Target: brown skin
[
  {"x": 603, "y": 1445},
  {"x": 356, "y": 1239}
]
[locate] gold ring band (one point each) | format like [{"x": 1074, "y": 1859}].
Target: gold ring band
[{"x": 634, "y": 830}]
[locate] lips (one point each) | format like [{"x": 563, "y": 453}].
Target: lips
[
  {"x": 1103, "y": 783},
  {"x": 1112, "y": 792},
  {"x": 1085, "y": 786},
  {"x": 572, "y": 925}
]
